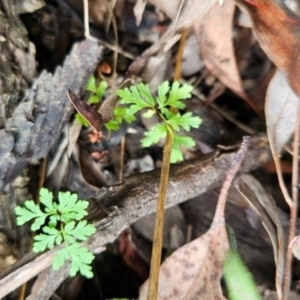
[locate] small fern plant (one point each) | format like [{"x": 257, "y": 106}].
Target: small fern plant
[
  {"x": 59, "y": 223},
  {"x": 138, "y": 98}
]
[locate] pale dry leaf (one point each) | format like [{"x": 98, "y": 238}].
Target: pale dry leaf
[
  {"x": 194, "y": 271},
  {"x": 214, "y": 34},
  {"x": 280, "y": 111},
  {"x": 139, "y": 10}
]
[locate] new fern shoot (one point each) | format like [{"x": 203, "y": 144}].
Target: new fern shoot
[
  {"x": 138, "y": 98},
  {"x": 60, "y": 223}
]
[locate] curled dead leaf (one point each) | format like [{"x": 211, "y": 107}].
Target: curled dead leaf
[{"x": 85, "y": 110}]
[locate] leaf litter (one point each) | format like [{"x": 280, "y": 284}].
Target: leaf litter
[{"x": 215, "y": 28}]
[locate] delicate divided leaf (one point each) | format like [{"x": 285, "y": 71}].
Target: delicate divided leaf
[
  {"x": 146, "y": 94},
  {"x": 29, "y": 212},
  {"x": 46, "y": 197},
  {"x": 45, "y": 241},
  {"x": 153, "y": 136},
  {"x": 81, "y": 260},
  {"x": 80, "y": 231},
  {"x": 97, "y": 94},
  {"x": 70, "y": 207},
  {"x": 138, "y": 97},
  {"x": 60, "y": 258},
  {"x": 178, "y": 141},
  {"x": 162, "y": 91},
  {"x": 178, "y": 93},
  {"x": 186, "y": 121},
  {"x": 112, "y": 125},
  {"x": 120, "y": 114}
]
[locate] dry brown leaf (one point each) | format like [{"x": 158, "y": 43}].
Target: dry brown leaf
[
  {"x": 194, "y": 271},
  {"x": 88, "y": 112},
  {"x": 276, "y": 32},
  {"x": 215, "y": 37},
  {"x": 280, "y": 111},
  {"x": 214, "y": 34}
]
